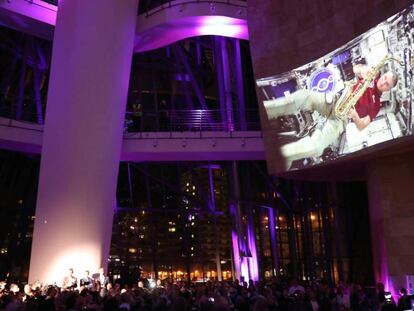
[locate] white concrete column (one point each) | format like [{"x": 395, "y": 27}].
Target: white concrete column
[{"x": 91, "y": 62}]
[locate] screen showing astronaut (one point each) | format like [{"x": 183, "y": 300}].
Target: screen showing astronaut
[{"x": 355, "y": 97}]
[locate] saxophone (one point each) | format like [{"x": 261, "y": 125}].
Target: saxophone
[{"x": 349, "y": 98}]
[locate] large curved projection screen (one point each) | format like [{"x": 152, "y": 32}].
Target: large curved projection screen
[{"x": 308, "y": 114}]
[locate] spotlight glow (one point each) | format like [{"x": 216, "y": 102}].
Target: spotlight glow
[
  {"x": 222, "y": 26},
  {"x": 79, "y": 258}
]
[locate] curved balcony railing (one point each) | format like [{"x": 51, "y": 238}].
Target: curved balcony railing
[
  {"x": 150, "y": 7},
  {"x": 164, "y": 120},
  {"x": 191, "y": 120}
]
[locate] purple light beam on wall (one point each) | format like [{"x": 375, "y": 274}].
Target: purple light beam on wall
[
  {"x": 236, "y": 253},
  {"x": 253, "y": 262},
  {"x": 173, "y": 30},
  {"x": 244, "y": 269}
]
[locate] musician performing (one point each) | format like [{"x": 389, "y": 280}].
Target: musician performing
[{"x": 359, "y": 103}]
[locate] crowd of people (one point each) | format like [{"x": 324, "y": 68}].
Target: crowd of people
[{"x": 99, "y": 294}]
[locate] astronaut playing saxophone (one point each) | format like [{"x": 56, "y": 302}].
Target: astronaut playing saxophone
[{"x": 361, "y": 112}]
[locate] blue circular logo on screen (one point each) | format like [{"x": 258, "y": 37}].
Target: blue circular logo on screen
[{"x": 322, "y": 80}]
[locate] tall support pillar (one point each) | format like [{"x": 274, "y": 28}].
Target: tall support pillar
[
  {"x": 220, "y": 79},
  {"x": 273, "y": 242},
  {"x": 22, "y": 78},
  {"x": 238, "y": 64},
  {"x": 251, "y": 242},
  {"x": 235, "y": 213},
  {"x": 235, "y": 250},
  {"x": 391, "y": 208},
  {"x": 251, "y": 248},
  {"x": 82, "y": 137},
  {"x": 37, "y": 77},
  {"x": 292, "y": 244},
  {"x": 216, "y": 231},
  {"x": 152, "y": 229},
  {"x": 227, "y": 85}
]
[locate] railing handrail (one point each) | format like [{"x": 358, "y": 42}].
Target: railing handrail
[
  {"x": 167, "y": 120},
  {"x": 173, "y": 120},
  {"x": 190, "y": 110}
]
